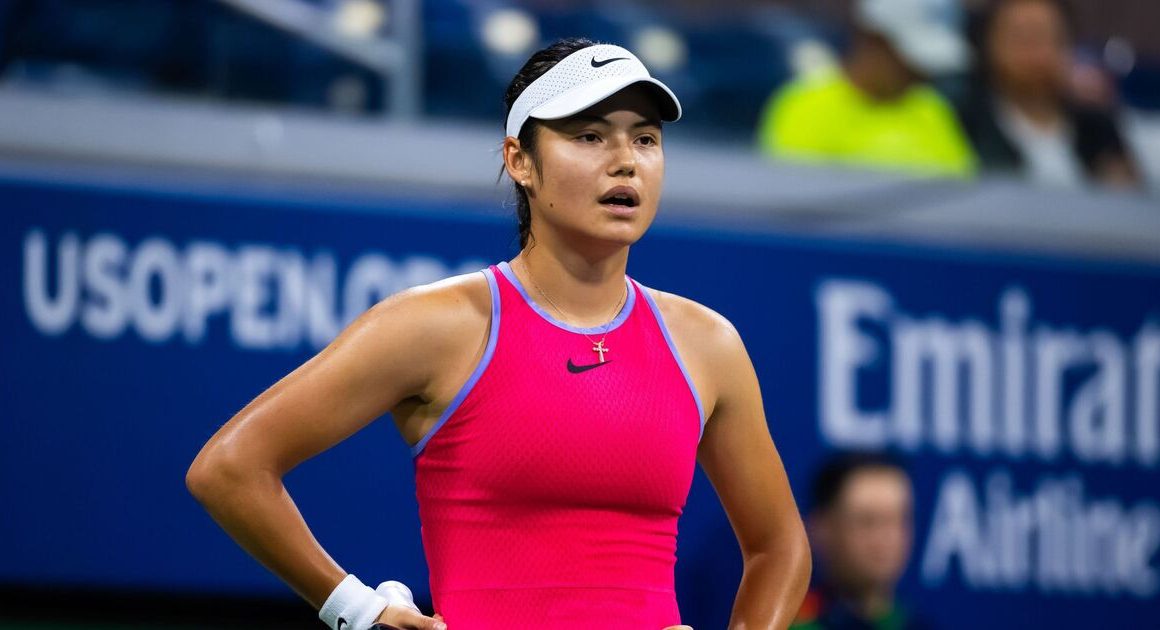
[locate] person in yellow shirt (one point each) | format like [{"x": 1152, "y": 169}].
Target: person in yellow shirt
[{"x": 877, "y": 109}]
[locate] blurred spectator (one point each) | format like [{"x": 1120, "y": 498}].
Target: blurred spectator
[
  {"x": 1023, "y": 117},
  {"x": 877, "y": 109},
  {"x": 861, "y": 531}
]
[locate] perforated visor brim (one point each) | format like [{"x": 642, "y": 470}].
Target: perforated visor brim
[{"x": 584, "y": 96}]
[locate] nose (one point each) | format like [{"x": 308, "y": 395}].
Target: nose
[{"x": 623, "y": 163}]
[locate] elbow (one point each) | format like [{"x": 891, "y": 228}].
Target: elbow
[
  {"x": 805, "y": 558},
  {"x": 787, "y": 545},
  {"x": 202, "y": 477},
  {"x": 213, "y": 472},
  {"x": 789, "y": 552},
  {"x": 798, "y": 551}
]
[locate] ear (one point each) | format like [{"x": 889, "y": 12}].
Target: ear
[{"x": 517, "y": 162}]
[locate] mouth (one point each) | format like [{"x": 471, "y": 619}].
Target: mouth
[{"x": 624, "y": 196}]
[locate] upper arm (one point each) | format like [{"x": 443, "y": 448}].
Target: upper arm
[
  {"x": 1104, "y": 146},
  {"x": 738, "y": 455},
  {"x": 396, "y": 350},
  {"x": 736, "y": 451}
]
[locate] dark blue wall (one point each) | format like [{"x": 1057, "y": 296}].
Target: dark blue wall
[{"x": 104, "y": 401}]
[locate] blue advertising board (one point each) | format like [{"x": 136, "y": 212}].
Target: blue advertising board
[{"x": 1024, "y": 392}]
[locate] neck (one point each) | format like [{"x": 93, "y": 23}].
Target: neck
[
  {"x": 875, "y": 78},
  {"x": 1043, "y": 110},
  {"x": 586, "y": 289},
  {"x": 870, "y": 603}
]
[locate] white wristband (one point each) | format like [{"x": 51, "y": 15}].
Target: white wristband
[{"x": 352, "y": 606}]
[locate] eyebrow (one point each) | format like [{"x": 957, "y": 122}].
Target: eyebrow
[{"x": 648, "y": 122}]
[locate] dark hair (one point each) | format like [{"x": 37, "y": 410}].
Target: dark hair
[
  {"x": 833, "y": 475},
  {"x": 539, "y": 63}
]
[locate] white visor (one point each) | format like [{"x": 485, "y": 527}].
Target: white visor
[
  {"x": 582, "y": 80},
  {"x": 921, "y": 32}
]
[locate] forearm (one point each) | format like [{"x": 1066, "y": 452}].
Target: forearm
[
  {"x": 255, "y": 509},
  {"x": 772, "y": 588}
]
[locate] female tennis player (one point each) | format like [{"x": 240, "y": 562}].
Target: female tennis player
[{"x": 556, "y": 407}]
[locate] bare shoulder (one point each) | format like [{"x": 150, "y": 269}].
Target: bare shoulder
[
  {"x": 702, "y": 329},
  {"x": 465, "y": 292},
  {"x": 435, "y": 315},
  {"x": 707, "y": 344}
]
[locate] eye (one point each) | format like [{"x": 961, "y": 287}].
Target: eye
[
  {"x": 588, "y": 137},
  {"x": 647, "y": 140}
]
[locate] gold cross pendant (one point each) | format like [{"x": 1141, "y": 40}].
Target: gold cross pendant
[{"x": 599, "y": 347}]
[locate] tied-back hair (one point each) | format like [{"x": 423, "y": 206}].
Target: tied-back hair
[{"x": 539, "y": 63}]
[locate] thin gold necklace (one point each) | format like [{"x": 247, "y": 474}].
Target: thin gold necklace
[{"x": 597, "y": 346}]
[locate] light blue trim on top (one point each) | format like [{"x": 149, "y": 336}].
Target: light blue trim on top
[
  {"x": 676, "y": 355},
  {"x": 625, "y": 310},
  {"x": 492, "y": 337}
]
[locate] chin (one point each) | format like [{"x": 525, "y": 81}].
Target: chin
[
  {"x": 607, "y": 232},
  {"x": 630, "y": 228},
  {"x": 625, "y": 234},
  {"x": 609, "y": 238}
]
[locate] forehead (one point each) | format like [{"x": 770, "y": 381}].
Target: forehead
[
  {"x": 1021, "y": 12},
  {"x": 876, "y": 487}
]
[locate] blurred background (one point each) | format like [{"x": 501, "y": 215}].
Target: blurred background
[{"x": 936, "y": 224}]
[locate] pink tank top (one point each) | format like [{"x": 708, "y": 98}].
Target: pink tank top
[{"x": 550, "y": 488}]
